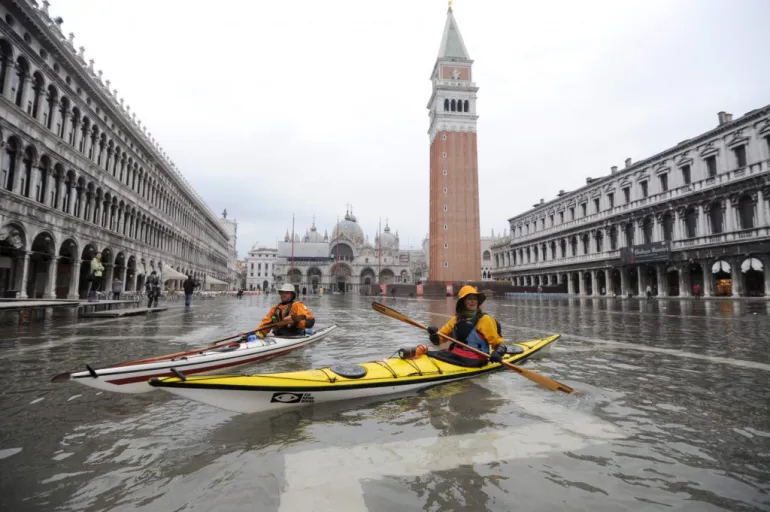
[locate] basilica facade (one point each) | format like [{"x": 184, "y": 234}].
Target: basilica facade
[{"x": 344, "y": 261}]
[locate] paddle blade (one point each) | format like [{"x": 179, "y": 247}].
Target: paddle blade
[
  {"x": 385, "y": 310},
  {"x": 61, "y": 377},
  {"x": 544, "y": 381}
]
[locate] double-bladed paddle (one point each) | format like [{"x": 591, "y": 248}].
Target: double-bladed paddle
[{"x": 544, "y": 381}]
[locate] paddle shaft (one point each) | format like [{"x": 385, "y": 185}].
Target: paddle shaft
[
  {"x": 65, "y": 376},
  {"x": 203, "y": 349},
  {"x": 529, "y": 374}
]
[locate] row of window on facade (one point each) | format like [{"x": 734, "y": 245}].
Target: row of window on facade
[
  {"x": 715, "y": 218},
  {"x": 88, "y": 139},
  {"x": 62, "y": 192},
  {"x": 570, "y": 213},
  {"x": 456, "y": 105}
]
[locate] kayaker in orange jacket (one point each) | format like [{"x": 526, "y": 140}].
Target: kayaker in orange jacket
[
  {"x": 289, "y": 306},
  {"x": 471, "y": 326}
]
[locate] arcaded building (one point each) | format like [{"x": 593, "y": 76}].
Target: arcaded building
[
  {"x": 79, "y": 174},
  {"x": 693, "y": 218}
]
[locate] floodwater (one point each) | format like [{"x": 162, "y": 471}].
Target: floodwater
[{"x": 676, "y": 416}]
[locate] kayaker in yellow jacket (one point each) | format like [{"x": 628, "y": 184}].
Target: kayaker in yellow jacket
[
  {"x": 471, "y": 326},
  {"x": 289, "y": 306}
]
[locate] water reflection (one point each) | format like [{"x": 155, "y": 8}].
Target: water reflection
[{"x": 694, "y": 430}]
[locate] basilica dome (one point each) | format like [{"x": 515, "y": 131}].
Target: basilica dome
[
  {"x": 389, "y": 240},
  {"x": 349, "y": 228},
  {"x": 313, "y": 235}
]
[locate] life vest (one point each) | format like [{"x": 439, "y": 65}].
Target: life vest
[
  {"x": 279, "y": 313},
  {"x": 465, "y": 331}
]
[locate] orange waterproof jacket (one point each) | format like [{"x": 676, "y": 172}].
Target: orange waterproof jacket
[{"x": 283, "y": 311}]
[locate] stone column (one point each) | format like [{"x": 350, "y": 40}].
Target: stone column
[
  {"x": 570, "y": 284},
  {"x": 49, "y": 184},
  {"x": 678, "y": 220},
  {"x": 641, "y": 272},
  {"x": 65, "y": 116},
  {"x": 765, "y": 259},
  {"x": 761, "y": 210},
  {"x": 21, "y": 281},
  {"x": 736, "y": 277},
  {"x": 701, "y": 227},
  {"x": 50, "y": 287},
  {"x": 662, "y": 281},
  {"x": 595, "y": 283},
  {"x": 623, "y": 281},
  {"x": 708, "y": 278},
  {"x": 684, "y": 281},
  {"x": 730, "y": 216},
  {"x": 71, "y": 193},
  {"x": 74, "y": 292},
  {"x": 109, "y": 271},
  {"x": 582, "y": 281}
]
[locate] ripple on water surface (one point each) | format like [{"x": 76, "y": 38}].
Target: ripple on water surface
[{"x": 666, "y": 423}]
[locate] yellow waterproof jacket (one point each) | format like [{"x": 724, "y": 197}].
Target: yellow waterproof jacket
[
  {"x": 282, "y": 311},
  {"x": 486, "y": 327}
]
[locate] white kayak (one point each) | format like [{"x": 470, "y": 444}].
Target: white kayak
[{"x": 133, "y": 378}]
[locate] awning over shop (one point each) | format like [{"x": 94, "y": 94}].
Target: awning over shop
[
  {"x": 720, "y": 266},
  {"x": 169, "y": 274},
  {"x": 751, "y": 264},
  {"x": 213, "y": 280}
]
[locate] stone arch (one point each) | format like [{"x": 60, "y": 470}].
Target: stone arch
[
  {"x": 53, "y": 102},
  {"x": 22, "y": 75},
  {"x": 131, "y": 270},
  {"x": 38, "y": 90},
  {"x": 39, "y": 270},
  {"x": 13, "y": 244},
  {"x": 294, "y": 276},
  {"x": 314, "y": 278},
  {"x": 746, "y": 211},
  {"x": 368, "y": 276},
  {"x": 66, "y": 285},
  {"x": 753, "y": 274},
  {"x": 6, "y": 63},
  {"x": 387, "y": 276},
  {"x": 345, "y": 253}
]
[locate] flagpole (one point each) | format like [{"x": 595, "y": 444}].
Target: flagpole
[
  {"x": 291, "y": 267},
  {"x": 379, "y": 253}
]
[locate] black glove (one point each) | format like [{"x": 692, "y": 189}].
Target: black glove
[
  {"x": 433, "y": 336},
  {"x": 497, "y": 354}
]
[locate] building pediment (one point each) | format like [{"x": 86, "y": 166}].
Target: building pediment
[
  {"x": 642, "y": 174},
  {"x": 596, "y": 192},
  {"x": 737, "y": 138},
  {"x": 708, "y": 149},
  {"x": 609, "y": 187},
  {"x": 625, "y": 182},
  {"x": 763, "y": 127}
]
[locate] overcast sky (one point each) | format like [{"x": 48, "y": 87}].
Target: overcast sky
[{"x": 273, "y": 108}]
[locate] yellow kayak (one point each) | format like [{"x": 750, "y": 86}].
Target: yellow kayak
[{"x": 264, "y": 392}]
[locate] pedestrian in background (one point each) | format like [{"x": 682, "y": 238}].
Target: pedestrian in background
[
  {"x": 117, "y": 287},
  {"x": 189, "y": 287}
]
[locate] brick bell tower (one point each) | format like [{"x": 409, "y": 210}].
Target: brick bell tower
[{"x": 455, "y": 231}]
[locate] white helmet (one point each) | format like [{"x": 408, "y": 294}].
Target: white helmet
[{"x": 287, "y": 287}]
